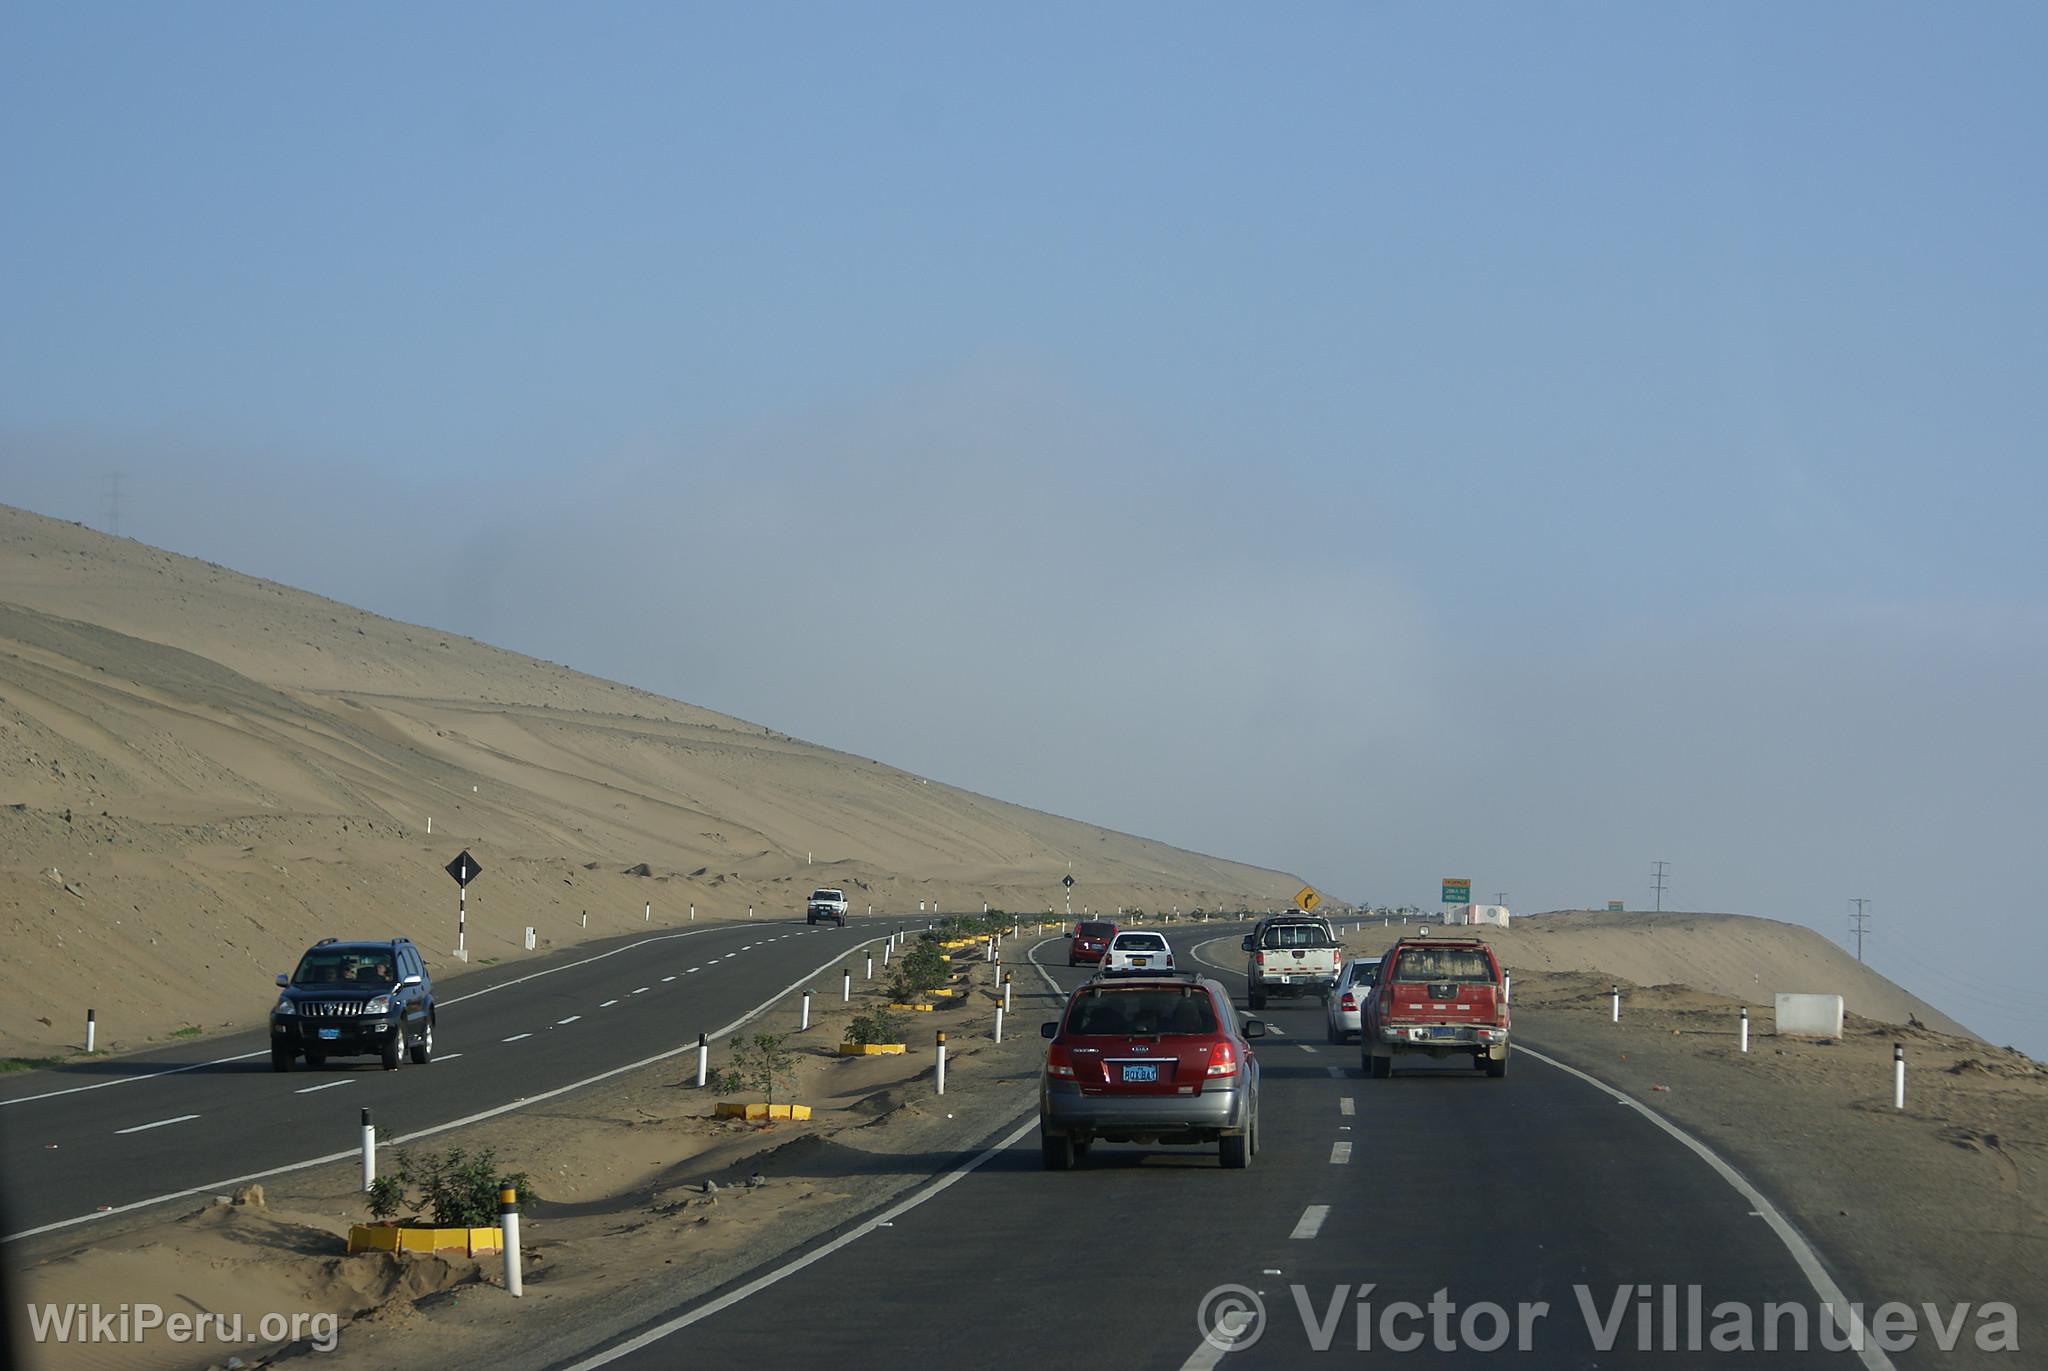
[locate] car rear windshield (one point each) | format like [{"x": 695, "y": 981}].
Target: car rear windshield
[
  {"x": 1093, "y": 930},
  {"x": 1140, "y": 942},
  {"x": 1296, "y": 935},
  {"x": 354, "y": 966},
  {"x": 1365, "y": 973},
  {"x": 1139, "y": 1010},
  {"x": 1444, "y": 964},
  {"x": 828, "y": 894}
]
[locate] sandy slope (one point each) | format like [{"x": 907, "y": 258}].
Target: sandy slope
[{"x": 204, "y": 771}]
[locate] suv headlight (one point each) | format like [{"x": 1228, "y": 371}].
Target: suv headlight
[
  {"x": 285, "y": 1006},
  {"x": 380, "y": 1005}
]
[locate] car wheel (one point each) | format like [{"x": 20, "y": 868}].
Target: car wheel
[
  {"x": 423, "y": 1050},
  {"x": 315, "y": 1059},
  {"x": 1235, "y": 1150},
  {"x": 394, "y": 1048},
  {"x": 1258, "y": 999},
  {"x": 280, "y": 1057},
  {"x": 1057, "y": 1150},
  {"x": 1081, "y": 1145},
  {"x": 1382, "y": 1067},
  {"x": 1497, "y": 1069}
]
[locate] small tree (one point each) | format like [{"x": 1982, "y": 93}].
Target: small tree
[
  {"x": 877, "y": 1025},
  {"x": 760, "y": 1064},
  {"x": 459, "y": 1188}
]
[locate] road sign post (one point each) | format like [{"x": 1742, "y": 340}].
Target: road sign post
[
  {"x": 1457, "y": 891},
  {"x": 464, "y": 869}
]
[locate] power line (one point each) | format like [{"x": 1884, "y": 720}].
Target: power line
[
  {"x": 1859, "y": 922},
  {"x": 1659, "y": 884}
]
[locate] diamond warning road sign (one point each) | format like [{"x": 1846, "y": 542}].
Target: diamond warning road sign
[
  {"x": 464, "y": 868},
  {"x": 1067, "y": 881},
  {"x": 1306, "y": 898}
]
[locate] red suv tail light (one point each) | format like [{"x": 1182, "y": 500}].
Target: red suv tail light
[
  {"x": 1058, "y": 1061},
  {"x": 1222, "y": 1059}
]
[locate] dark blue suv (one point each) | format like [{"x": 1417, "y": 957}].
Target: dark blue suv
[{"x": 354, "y": 1000}]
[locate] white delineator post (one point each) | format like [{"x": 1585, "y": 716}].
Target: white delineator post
[
  {"x": 369, "y": 1152},
  {"x": 804, "y": 1016},
  {"x": 92, "y": 1030},
  {"x": 1617, "y": 1004},
  {"x": 846, "y": 987},
  {"x": 750, "y": 911},
  {"x": 999, "y": 1023},
  {"x": 703, "y": 1059},
  {"x": 1006, "y": 990},
  {"x": 871, "y": 966},
  {"x": 508, "y": 1220},
  {"x": 1745, "y": 1028},
  {"x": 942, "y": 1061},
  {"x": 1507, "y": 987},
  {"x": 647, "y": 912},
  {"x": 1898, "y": 1075},
  {"x": 462, "y": 922},
  {"x": 693, "y": 913}
]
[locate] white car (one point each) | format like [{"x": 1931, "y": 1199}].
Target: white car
[
  {"x": 1354, "y": 984},
  {"x": 1137, "y": 951}
]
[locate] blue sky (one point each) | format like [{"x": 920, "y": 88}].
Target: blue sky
[{"x": 1377, "y": 441}]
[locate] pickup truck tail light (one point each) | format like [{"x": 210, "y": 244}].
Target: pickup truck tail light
[
  {"x": 1059, "y": 1062},
  {"x": 1260, "y": 957},
  {"x": 1169, "y": 959},
  {"x": 1222, "y": 1059}
]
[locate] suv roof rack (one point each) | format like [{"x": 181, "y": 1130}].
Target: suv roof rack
[{"x": 324, "y": 941}]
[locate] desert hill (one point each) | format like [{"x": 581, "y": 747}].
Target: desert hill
[{"x": 201, "y": 771}]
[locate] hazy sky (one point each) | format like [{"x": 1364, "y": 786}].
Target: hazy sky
[{"x": 1382, "y": 442}]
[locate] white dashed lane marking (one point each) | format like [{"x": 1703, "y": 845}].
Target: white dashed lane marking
[
  {"x": 160, "y": 1123},
  {"x": 1347, "y": 1106},
  {"x": 563, "y": 1023},
  {"x": 516, "y": 1037},
  {"x": 607, "y": 1004},
  {"x": 1311, "y": 1221},
  {"x": 328, "y": 1086},
  {"x": 1340, "y": 1153}
]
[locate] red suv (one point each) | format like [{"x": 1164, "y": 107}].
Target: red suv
[
  {"x": 1150, "y": 1058},
  {"x": 1089, "y": 942}
]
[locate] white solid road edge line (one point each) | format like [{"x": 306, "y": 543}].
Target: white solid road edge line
[
  {"x": 790, "y": 1268},
  {"x": 1803, "y": 1255},
  {"x": 220, "y": 1187}
]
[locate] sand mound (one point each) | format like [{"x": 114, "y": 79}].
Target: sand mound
[{"x": 222, "y": 769}]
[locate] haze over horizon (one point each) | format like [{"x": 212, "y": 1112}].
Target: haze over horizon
[{"x": 1376, "y": 444}]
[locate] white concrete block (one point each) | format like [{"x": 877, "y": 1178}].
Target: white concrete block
[{"x": 1809, "y": 1016}]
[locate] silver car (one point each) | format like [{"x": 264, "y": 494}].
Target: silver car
[{"x": 1347, "y": 1001}]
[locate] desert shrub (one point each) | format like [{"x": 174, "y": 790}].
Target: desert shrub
[
  {"x": 761, "y": 1065},
  {"x": 877, "y": 1025},
  {"x": 456, "y": 1188}
]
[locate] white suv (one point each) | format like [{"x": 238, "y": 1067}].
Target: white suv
[
  {"x": 826, "y": 905},
  {"x": 1137, "y": 951}
]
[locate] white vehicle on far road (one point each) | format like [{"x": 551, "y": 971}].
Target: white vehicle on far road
[
  {"x": 1354, "y": 985},
  {"x": 1137, "y": 951},
  {"x": 826, "y": 904}
]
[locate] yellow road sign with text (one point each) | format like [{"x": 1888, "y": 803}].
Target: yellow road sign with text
[{"x": 1306, "y": 898}]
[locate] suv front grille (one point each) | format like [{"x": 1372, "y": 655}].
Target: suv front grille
[{"x": 331, "y": 1009}]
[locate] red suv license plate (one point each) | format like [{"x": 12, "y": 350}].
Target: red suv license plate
[{"x": 1136, "y": 1072}]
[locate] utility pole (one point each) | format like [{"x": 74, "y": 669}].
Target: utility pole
[
  {"x": 1658, "y": 885},
  {"x": 113, "y": 501},
  {"x": 1500, "y": 897},
  {"x": 1859, "y": 923}
]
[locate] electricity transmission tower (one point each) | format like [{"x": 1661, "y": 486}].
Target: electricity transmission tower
[
  {"x": 1659, "y": 883},
  {"x": 1859, "y": 923},
  {"x": 113, "y": 501}
]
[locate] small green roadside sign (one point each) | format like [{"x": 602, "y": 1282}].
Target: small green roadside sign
[{"x": 1457, "y": 891}]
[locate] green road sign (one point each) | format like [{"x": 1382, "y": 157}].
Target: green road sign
[{"x": 1457, "y": 891}]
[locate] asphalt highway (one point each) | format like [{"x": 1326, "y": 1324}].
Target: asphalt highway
[
  {"x": 1541, "y": 1190},
  {"x": 114, "y": 1135}
]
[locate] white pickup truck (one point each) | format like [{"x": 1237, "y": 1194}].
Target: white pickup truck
[
  {"x": 826, "y": 905},
  {"x": 1291, "y": 954}
]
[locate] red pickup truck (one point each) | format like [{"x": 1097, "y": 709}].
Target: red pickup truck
[{"x": 1442, "y": 996}]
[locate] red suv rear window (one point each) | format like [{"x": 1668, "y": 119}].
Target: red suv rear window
[
  {"x": 1436, "y": 964},
  {"x": 1092, "y": 930},
  {"x": 1139, "y": 1011}
]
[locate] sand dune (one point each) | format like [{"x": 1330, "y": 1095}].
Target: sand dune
[{"x": 203, "y": 771}]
